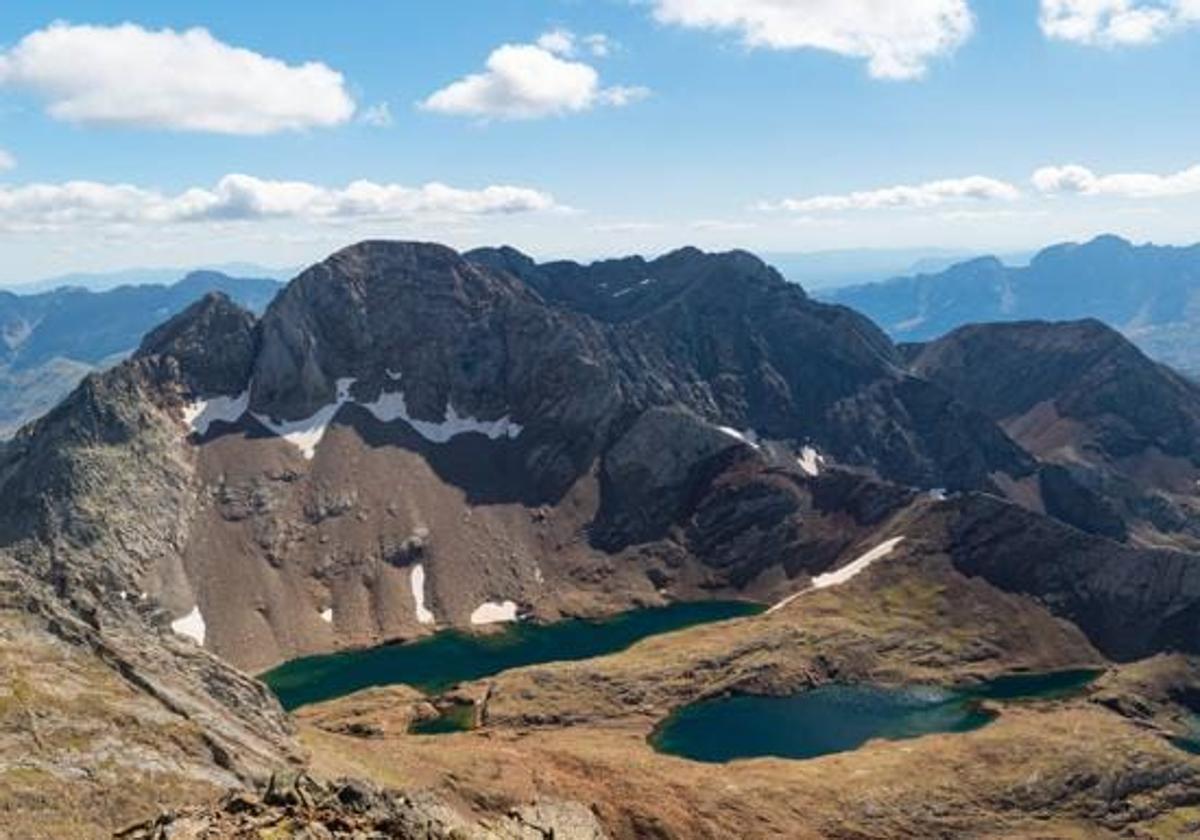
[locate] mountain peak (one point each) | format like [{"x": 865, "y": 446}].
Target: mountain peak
[
  {"x": 213, "y": 340},
  {"x": 1104, "y": 246}
]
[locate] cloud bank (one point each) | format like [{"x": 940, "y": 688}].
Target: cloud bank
[
  {"x": 246, "y": 198},
  {"x": 928, "y": 194},
  {"x": 1079, "y": 180}
]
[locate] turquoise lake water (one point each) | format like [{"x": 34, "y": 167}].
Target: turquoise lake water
[{"x": 440, "y": 661}]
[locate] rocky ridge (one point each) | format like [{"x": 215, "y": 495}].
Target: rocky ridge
[
  {"x": 410, "y": 438},
  {"x": 1120, "y": 433}
]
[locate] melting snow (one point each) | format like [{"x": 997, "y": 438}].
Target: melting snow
[
  {"x": 416, "y": 580},
  {"x": 938, "y": 494},
  {"x": 307, "y": 433},
  {"x": 491, "y": 612},
  {"x": 748, "y": 437},
  {"x": 810, "y": 461},
  {"x": 391, "y": 406},
  {"x": 201, "y": 414},
  {"x": 327, "y": 615},
  {"x": 845, "y": 573},
  {"x": 850, "y": 570},
  {"x": 191, "y": 625}
]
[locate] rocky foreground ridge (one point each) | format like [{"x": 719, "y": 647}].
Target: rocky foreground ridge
[{"x": 411, "y": 439}]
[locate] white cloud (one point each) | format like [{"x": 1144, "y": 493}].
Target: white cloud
[
  {"x": 379, "y": 115},
  {"x": 7, "y": 161},
  {"x": 1116, "y": 22},
  {"x": 528, "y": 81},
  {"x": 185, "y": 81},
  {"x": 244, "y": 197},
  {"x": 929, "y": 194},
  {"x": 898, "y": 40},
  {"x": 1072, "y": 178}
]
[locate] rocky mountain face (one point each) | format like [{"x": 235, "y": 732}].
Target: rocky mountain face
[
  {"x": 1121, "y": 432},
  {"x": 1150, "y": 293},
  {"x": 411, "y": 439},
  {"x": 726, "y": 337},
  {"x": 50, "y": 340},
  {"x": 105, "y": 710}
]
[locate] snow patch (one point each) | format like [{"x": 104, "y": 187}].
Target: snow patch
[
  {"x": 851, "y": 570},
  {"x": 491, "y": 612},
  {"x": 391, "y": 406},
  {"x": 191, "y": 625},
  {"x": 811, "y": 461},
  {"x": 845, "y": 573},
  {"x": 416, "y": 580},
  {"x": 327, "y": 615},
  {"x": 938, "y": 494},
  {"x": 748, "y": 437},
  {"x": 307, "y": 433},
  {"x": 200, "y": 414}
]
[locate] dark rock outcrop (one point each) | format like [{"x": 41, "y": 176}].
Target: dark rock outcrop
[
  {"x": 1130, "y": 602},
  {"x": 1120, "y": 433},
  {"x": 213, "y": 341}
]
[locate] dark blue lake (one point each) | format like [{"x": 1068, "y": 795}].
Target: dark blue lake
[
  {"x": 440, "y": 661},
  {"x": 837, "y": 718}
]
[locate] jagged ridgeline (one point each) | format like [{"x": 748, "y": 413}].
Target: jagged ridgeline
[{"x": 411, "y": 439}]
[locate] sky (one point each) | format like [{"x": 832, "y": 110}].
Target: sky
[{"x": 137, "y": 133}]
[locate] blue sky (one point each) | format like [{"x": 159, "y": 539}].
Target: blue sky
[{"x": 699, "y": 124}]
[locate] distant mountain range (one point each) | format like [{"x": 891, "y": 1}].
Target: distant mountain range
[
  {"x": 819, "y": 270},
  {"x": 50, "y": 341},
  {"x": 102, "y": 281},
  {"x": 1151, "y": 293}
]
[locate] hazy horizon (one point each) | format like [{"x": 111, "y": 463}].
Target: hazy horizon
[{"x": 588, "y": 130}]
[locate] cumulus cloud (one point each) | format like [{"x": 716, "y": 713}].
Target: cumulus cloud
[
  {"x": 246, "y": 198},
  {"x": 1116, "y": 22},
  {"x": 929, "y": 194},
  {"x": 528, "y": 81},
  {"x": 1079, "y": 180},
  {"x": 184, "y": 81},
  {"x": 898, "y": 40},
  {"x": 7, "y": 161}
]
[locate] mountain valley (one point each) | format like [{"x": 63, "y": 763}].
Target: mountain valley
[{"x": 409, "y": 441}]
